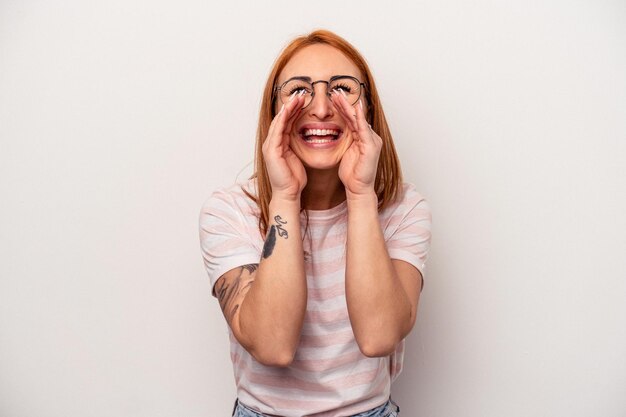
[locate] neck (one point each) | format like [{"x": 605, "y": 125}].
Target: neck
[{"x": 323, "y": 190}]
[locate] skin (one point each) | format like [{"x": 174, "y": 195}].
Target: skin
[
  {"x": 382, "y": 294},
  {"x": 327, "y": 168}
]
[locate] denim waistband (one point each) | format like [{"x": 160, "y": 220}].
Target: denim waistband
[{"x": 388, "y": 409}]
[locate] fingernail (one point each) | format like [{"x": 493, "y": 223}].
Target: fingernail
[
  {"x": 361, "y": 104},
  {"x": 281, "y": 109},
  {"x": 344, "y": 93},
  {"x": 293, "y": 95}
]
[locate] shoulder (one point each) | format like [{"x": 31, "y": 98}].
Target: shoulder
[
  {"x": 408, "y": 198},
  {"x": 234, "y": 203},
  {"x": 237, "y": 196},
  {"x": 410, "y": 193}
]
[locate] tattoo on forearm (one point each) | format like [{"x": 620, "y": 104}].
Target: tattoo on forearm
[
  {"x": 251, "y": 268},
  {"x": 279, "y": 225},
  {"x": 270, "y": 241},
  {"x": 229, "y": 290}
]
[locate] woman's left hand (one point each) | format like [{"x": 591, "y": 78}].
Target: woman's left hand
[{"x": 358, "y": 167}]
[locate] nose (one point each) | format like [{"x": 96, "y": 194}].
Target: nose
[{"x": 321, "y": 106}]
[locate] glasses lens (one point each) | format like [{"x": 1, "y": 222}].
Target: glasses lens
[
  {"x": 347, "y": 86},
  {"x": 296, "y": 87}
]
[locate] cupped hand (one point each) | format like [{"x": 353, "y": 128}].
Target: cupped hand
[
  {"x": 358, "y": 167},
  {"x": 286, "y": 172}
]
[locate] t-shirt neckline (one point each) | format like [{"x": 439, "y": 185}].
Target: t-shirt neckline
[{"x": 328, "y": 214}]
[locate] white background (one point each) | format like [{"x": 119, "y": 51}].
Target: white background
[{"x": 118, "y": 119}]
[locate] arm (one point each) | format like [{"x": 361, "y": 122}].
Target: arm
[
  {"x": 382, "y": 293},
  {"x": 264, "y": 304}
]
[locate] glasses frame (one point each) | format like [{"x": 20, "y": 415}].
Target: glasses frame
[{"x": 362, "y": 86}]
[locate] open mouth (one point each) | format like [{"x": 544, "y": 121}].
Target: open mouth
[{"x": 320, "y": 135}]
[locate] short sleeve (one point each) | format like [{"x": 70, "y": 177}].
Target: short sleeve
[
  {"x": 410, "y": 226},
  {"x": 226, "y": 236}
]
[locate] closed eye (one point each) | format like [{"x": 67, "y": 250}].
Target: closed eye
[
  {"x": 342, "y": 87},
  {"x": 299, "y": 89}
]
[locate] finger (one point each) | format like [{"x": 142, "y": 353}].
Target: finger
[
  {"x": 348, "y": 110},
  {"x": 360, "y": 118},
  {"x": 272, "y": 128},
  {"x": 294, "y": 116},
  {"x": 294, "y": 112},
  {"x": 285, "y": 135},
  {"x": 273, "y": 122},
  {"x": 344, "y": 110},
  {"x": 365, "y": 130},
  {"x": 287, "y": 113},
  {"x": 276, "y": 127},
  {"x": 270, "y": 133},
  {"x": 284, "y": 125}
]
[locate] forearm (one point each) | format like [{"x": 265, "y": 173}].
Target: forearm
[
  {"x": 379, "y": 308},
  {"x": 273, "y": 312}
]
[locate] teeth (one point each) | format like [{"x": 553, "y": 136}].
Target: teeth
[
  {"x": 320, "y": 132},
  {"x": 319, "y": 140}
]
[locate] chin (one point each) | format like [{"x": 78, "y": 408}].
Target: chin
[
  {"x": 321, "y": 158},
  {"x": 320, "y": 165}
]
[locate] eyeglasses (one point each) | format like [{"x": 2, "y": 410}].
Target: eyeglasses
[{"x": 349, "y": 86}]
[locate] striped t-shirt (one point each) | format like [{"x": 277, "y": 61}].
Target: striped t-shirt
[{"x": 329, "y": 376}]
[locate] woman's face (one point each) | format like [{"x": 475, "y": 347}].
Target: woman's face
[{"x": 319, "y": 136}]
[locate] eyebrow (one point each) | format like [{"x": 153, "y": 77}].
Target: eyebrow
[
  {"x": 309, "y": 79},
  {"x": 301, "y": 78}
]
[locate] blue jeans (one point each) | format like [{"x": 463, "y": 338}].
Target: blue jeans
[{"x": 388, "y": 409}]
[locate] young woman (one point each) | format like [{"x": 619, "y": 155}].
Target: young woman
[{"x": 317, "y": 260}]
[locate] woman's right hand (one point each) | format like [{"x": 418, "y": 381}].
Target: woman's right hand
[{"x": 286, "y": 172}]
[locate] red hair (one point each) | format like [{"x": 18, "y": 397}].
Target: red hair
[{"x": 388, "y": 183}]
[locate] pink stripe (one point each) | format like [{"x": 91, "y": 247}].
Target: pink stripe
[
  {"x": 323, "y": 269},
  {"x": 338, "y": 338},
  {"x": 292, "y": 382},
  {"x": 220, "y": 213},
  {"x": 333, "y": 316},
  {"x": 396, "y": 219},
  {"x": 412, "y": 231},
  {"x": 214, "y": 226},
  {"x": 227, "y": 246},
  {"x": 238, "y": 197},
  {"x": 309, "y": 365},
  {"x": 317, "y": 328},
  {"x": 320, "y": 223},
  {"x": 331, "y": 241},
  {"x": 326, "y": 293},
  {"x": 282, "y": 403},
  {"x": 327, "y": 365}
]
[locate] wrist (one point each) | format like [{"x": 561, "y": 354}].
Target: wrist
[
  {"x": 365, "y": 199},
  {"x": 285, "y": 202}
]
